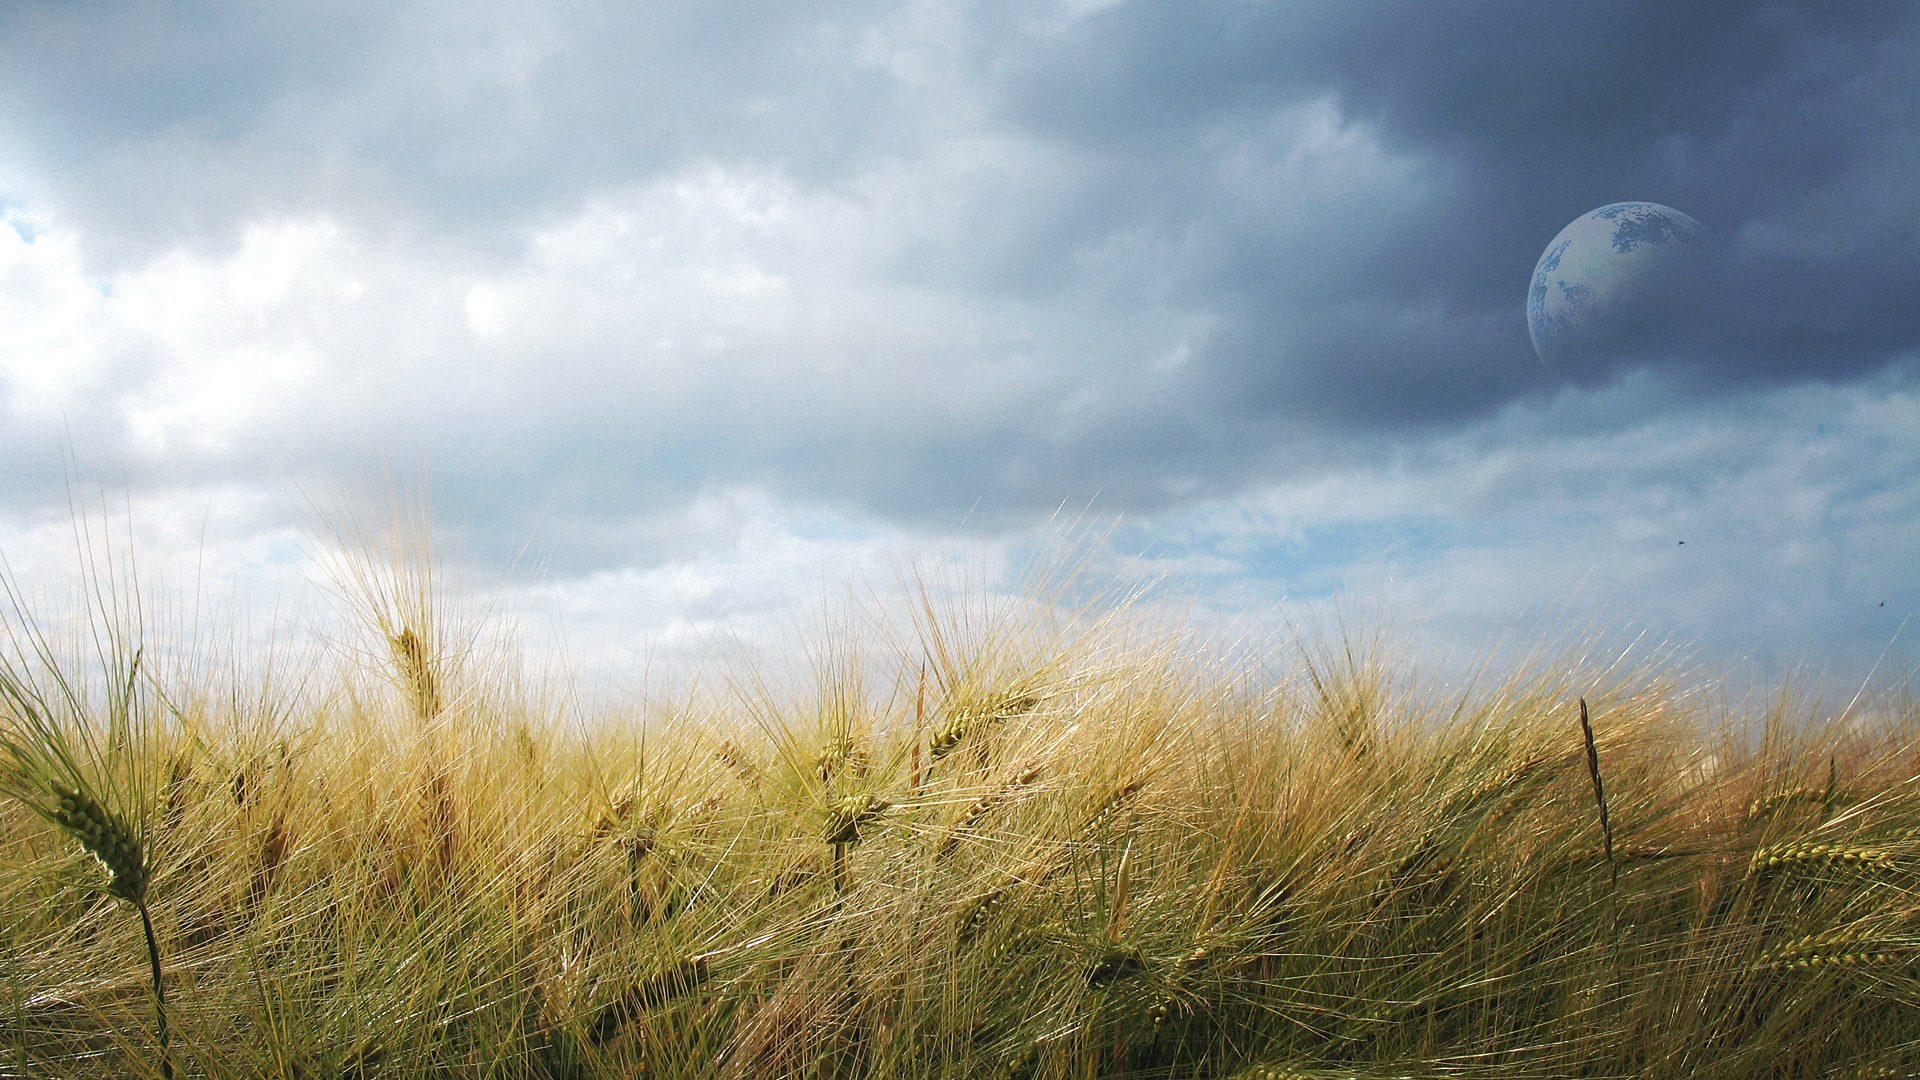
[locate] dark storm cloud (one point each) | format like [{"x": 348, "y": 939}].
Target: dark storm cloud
[
  {"x": 1158, "y": 252},
  {"x": 1787, "y": 128}
]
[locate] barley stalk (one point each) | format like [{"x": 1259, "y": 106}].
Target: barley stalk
[
  {"x": 1767, "y": 804},
  {"x": 1599, "y": 793},
  {"x": 415, "y": 661},
  {"x": 1839, "y": 949},
  {"x": 730, "y": 754},
  {"x": 676, "y": 981},
  {"x": 1792, "y": 855},
  {"x": 112, "y": 842},
  {"x": 105, "y": 836},
  {"x": 987, "y": 802},
  {"x": 847, "y": 815},
  {"x": 967, "y": 721},
  {"x": 1111, "y": 804}
]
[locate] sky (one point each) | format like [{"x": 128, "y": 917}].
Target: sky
[{"x": 687, "y": 314}]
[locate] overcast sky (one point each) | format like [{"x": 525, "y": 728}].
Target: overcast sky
[{"x": 710, "y": 305}]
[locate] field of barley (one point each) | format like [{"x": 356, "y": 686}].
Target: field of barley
[{"x": 1018, "y": 841}]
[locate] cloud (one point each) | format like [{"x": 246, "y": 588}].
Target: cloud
[
  {"x": 1780, "y": 126},
  {"x": 1771, "y": 528},
  {"x": 932, "y": 269},
  {"x": 1346, "y": 196}
]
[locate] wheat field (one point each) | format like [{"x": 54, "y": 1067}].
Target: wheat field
[{"x": 1016, "y": 842}]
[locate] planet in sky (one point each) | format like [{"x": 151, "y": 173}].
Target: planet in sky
[{"x": 1607, "y": 281}]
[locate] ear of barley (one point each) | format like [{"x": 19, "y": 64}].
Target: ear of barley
[
  {"x": 842, "y": 756},
  {"x": 1199, "y": 957},
  {"x": 1123, "y": 881},
  {"x": 1837, "y": 949},
  {"x": 640, "y": 843},
  {"x": 615, "y": 815},
  {"x": 417, "y": 675},
  {"x": 978, "y": 913},
  {"x": 112, "y": 842},
  {"x": 1789, "y": 856},
  {"x": 967, "y": 721},
  {"x": 730, "y": 754},
  {"x": 1276, "y": 1072},
  {"x": 1876, "y": 1072},
  {"x": 107, "y": 838},
  {"x": 849, "y": 814},
  {"x": 1023, "y": 775},
  {"x": 947, "y": 736},
  {"x": 1515, "y": 774},
  {"x": 1165, "y": 1010},
  {"x": 1658, "y": 854},
  {"x": 1112, "y": 804},
  {"x": 1770, "y": 803}
]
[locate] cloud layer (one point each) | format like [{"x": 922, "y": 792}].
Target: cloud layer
[{"x": 925, "y": 269}]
